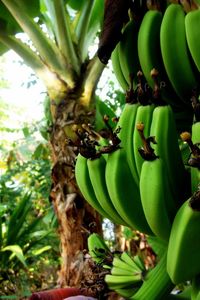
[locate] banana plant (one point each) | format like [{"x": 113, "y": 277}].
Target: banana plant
[
  {"x": 20, "y": 234},
  {"x": 60, "y": 34}
]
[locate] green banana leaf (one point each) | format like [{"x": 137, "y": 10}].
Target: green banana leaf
[
  {"x": 95, "y": 23},
  {"x": 16, "y": 251},
  {"x": 37, "y": 237},
  {"x": 88, "y": 24},
  {"x": 37, "y": 252},
  {"x": 1, "y": 233},
  {"x": 17, "y": 219},
  {"x": 26, "y": 231},
  {"x": 8, "y": 24}
]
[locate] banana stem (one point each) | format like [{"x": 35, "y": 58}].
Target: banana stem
[
  {"x": 153, "y": 5},
  {"x": 186, "y": 5},
  {"x": 194, "y": 5},
  {"x": 82, "y": 27},
  {"x": 64, "y": 36},
  {"x": 146, "y": 151},
  {"x": 95, "y": 69},
  {"x": 186, "y": 137}
]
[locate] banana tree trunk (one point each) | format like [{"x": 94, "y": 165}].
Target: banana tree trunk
[{"x": 76, "y": 218}]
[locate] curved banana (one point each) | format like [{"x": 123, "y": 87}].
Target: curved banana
[
  {"x": 133, "y": 261},
  {"x": 149, "y": 53},
  {"x": 155, "y": 196},
  {"x": 127, "y": 259},
  {"x": 127, "y": 124},
  {"x": 118, "y": 271},
  {"x": 85, "y": 186},
  {"x": 157, "y": 283},
  {"x": 175, "y": 54},
  {"x": 167, "y": 148},
  {"x": 115, "y": 281},
  {"x": 184, "y": 244},
  {"x": 128, "y": 53},
  {"x": 96, "y": 169},
  {"x": 117, "y": 69},
  {"x": 144, "y": 116},
  {"x": 139, "y": 262},
  {"x": 118, "y": 263},
  {"x": 124, "y": 192},
  {"x": 192, "y": 25}
]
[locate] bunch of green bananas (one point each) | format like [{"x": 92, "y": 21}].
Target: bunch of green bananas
[
  {"x": 128, "y": 276},
  {"x": 139, "y": 180},
  {"x": 165, "y": 41},
  {"x": 168, "y": 41},
  {"x": 121, "y": 182},
  {"x": 147, "y": 174}
]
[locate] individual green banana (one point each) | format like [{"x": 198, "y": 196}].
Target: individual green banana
[
  {"x": 117, "y": 69},
  {"x": 118, "y": 271},
  {"x": 97, "y": 247},
  {"x": 128, "y": 53},
  {"x": 184, "y": 244},
  {"x": 150, "y": 57},
  {"x": 144, "y": 116},
  {"x": 124, "y": 191},
  {"x": 157, "y": 284},
  {"x": 139, "y": 262},
  {"x": 175, "y": 54},
  {"x": 127, "y": 259},
  {"x": 96, "y": 169},
  {"x": 192, "y": 25},
  {"x": 127, "y": 124},
  {"x": 85, "y": 186},
  {"x": 167, "y": 148},
  {"x": 155, "y": 195},
  {"x": 116, "y": 281},
  {"x": 133, "y": 261},
  {"x": 120, "y": 264}
]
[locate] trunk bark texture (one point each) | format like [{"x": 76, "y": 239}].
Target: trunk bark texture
[{"x": 76, "y": 218}]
